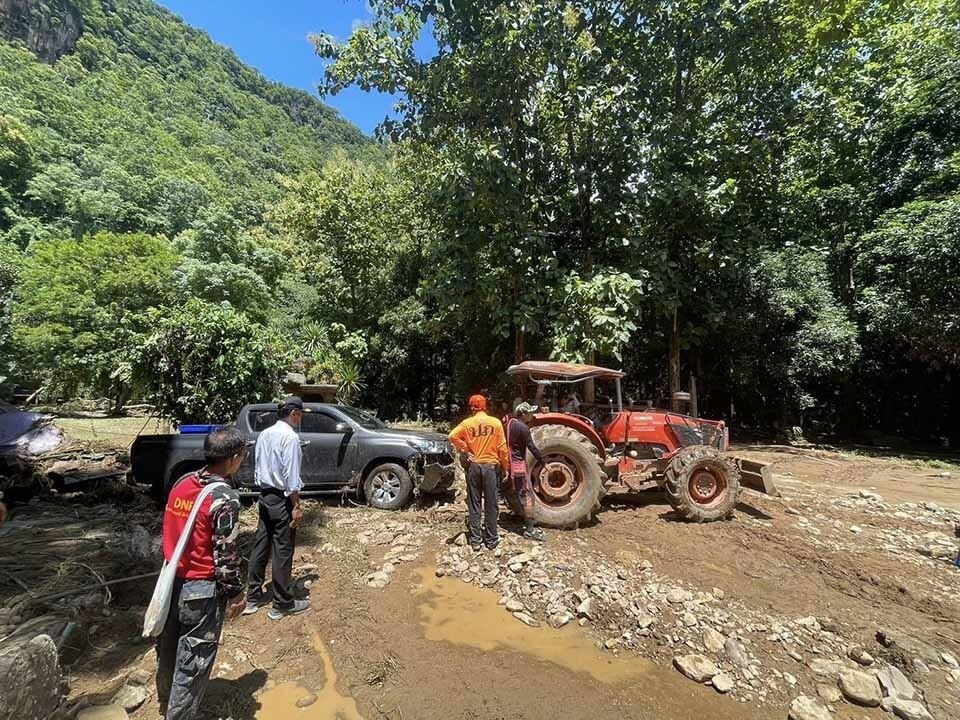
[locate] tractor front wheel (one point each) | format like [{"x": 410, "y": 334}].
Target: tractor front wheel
[{"x": 702, "y": 484}]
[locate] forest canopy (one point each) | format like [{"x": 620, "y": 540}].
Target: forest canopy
[{"x": 758, "y": 198}]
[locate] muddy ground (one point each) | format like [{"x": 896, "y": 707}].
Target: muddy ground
[{"x": 407, "y": 623}]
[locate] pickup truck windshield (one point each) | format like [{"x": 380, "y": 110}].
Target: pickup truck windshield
[{"x": 361, "y": 418}]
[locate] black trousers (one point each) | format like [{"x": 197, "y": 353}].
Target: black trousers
[
  {"x": 187, "y": 647},
  {"x": 273, "y": 534},
  {"x": 482, "y": 487}
]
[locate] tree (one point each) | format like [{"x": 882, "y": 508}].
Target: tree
[
  {"x": 203, "y": 362},
  {"x": 581, "y": 137},
  {"x": 81, "y": 307}
]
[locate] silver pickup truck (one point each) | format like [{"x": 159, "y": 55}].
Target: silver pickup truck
[{"x": 345, "y": 451}]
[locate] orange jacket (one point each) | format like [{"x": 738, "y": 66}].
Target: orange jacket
[{"x": 482, "y": 438}]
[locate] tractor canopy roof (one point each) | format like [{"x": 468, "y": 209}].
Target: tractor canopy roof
[{"x": 563, "y": 372}]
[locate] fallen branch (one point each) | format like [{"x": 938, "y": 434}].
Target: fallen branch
[{"x": 100, "y": 583}]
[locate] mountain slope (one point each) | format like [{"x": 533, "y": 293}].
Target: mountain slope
[{"x": 116, "y": 115}]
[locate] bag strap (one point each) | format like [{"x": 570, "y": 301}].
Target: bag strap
[{"x": 191, "y": 520}]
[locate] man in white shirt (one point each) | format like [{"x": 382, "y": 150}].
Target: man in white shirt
[
  {"x": 571, "y": 404},
  {"x": 277, "y": 476}
]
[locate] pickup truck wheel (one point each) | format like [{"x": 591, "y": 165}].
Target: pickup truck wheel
[{"x": 388, "y": 487}]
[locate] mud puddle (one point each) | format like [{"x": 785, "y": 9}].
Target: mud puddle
[
  {"x": 452, "y": 611},
  {"x": 280, "y": 701}
]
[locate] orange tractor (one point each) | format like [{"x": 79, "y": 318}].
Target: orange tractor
[{"x": 627, "y": 450}]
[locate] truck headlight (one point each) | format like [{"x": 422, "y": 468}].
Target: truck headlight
[{"x": 430, "y": 447}]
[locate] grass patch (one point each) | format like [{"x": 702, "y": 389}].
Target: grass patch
[{"x": 116, "y": 432}]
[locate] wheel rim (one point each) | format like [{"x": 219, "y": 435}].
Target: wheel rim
[
  {"x": 386, "y": 486},
  {"x": 707, "y": 486},
  {"x": 558, "y": 482}
]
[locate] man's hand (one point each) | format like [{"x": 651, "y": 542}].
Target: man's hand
[
  {"x": 235, "y": 606},
  {"x": 296, "y": 516}
]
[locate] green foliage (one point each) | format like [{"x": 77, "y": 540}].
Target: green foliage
[
  {"x": 598, "y": 317},
  {"x": 82, "y": 305},
  {"x": 907, "y": 270},
  {"x": 203, "y": 362}
]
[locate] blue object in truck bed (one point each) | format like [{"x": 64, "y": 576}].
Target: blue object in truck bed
[{"x": 197, "y": 429}]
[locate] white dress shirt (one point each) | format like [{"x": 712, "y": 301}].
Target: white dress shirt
[{"x": 278, "y": 459}]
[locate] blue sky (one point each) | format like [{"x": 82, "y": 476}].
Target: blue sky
[{"x": 272, "y": 37}]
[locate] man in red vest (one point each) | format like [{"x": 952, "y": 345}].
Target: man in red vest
[{"x": 209, "y": 587}]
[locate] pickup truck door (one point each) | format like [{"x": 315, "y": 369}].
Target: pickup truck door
[
  {"x": 259, "y": 421},
  {"x": 330, "y": 457}
]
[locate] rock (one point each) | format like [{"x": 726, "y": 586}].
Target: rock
[
  {"x": 140, "y": 677},
  {"x": 527, "y": 619},
  {"x": 949, "y": 660},
  {"x": 520, "y": 559},
  {"x": 736, "y": 652},
  {"x": 712, "y": 640},
  {"x": 791, "y": 679},
  {"x": 723, "y": 683},
  {"x": 130, "y": 697},
  {"x": 829, "y": 693},
  {"x": 856, "y": 529},
  {"x": 460, "y": 540},
  {"x": 895, "y": 683},
  {"x": 490, "y": 578},
  {"x": 514, "y": 606},
  {"x": 689, "y": 619},
  {"x": 826, "y": 668},
  {"x": 645, "y": 620},
  {"x": 385, "y": 537},
  {"x": 612, "y": 643},
  {"x": 698, "y": 668},
  {"x": 676, "y": 595},
  {"x": 515, "y": 567},
  {"x": 585, "y": 609},
  {"x": 440, "y": 572},
  {"x": 860, "y": 688},
  {"x": 103, "y": 712},
  {"x": 378, "y": 579},
  {"x": 646, "y": 565},
  {"x": 718, "y": 593},
  {"x": 307, "y": 700},
  {"x": 806, "y": 708},
  {"x": 910, "y": 645},
  {"x": 388, "y": 568},
  {"x": 558, "y": 620},
  {"x": 910, "y": 710},
  {"x": 919, "y": 666},
  {"x": 860, "y": 656},
  {"x": 30, "y": 678}
]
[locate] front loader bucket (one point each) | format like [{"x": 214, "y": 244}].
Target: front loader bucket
[{"x": 756, "y": 476}]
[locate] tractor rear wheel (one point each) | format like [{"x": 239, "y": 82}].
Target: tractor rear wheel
[
  {"x": 702, "y": 484},
  {"x": 568, "y": 486}
]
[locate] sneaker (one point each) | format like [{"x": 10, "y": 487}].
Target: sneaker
[
  {"x": 535, "y": 534},
  {"x": 476, "y": 547},
  {"x": 252, "y": 608},
  {"x": 299, "y": 606},
  {"x": 493, "y": 545}
]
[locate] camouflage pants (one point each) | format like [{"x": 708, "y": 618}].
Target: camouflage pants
[{"x": 187, "y": 647}]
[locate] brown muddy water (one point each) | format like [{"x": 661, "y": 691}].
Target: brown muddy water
[
  {"x": 452, "y": 611},
  {"x": 281, "y": 700}
]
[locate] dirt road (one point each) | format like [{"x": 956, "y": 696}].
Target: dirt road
[{"x": 406, "y": 623}]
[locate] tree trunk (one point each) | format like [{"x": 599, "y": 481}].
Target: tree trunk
[{"x": 673, "y": 361}]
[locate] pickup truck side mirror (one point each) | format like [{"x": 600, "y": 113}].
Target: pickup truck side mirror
[{"x": 345, "y": 428}]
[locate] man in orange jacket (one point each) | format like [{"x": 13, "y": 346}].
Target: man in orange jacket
[{"x": 482, "y": 438}]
